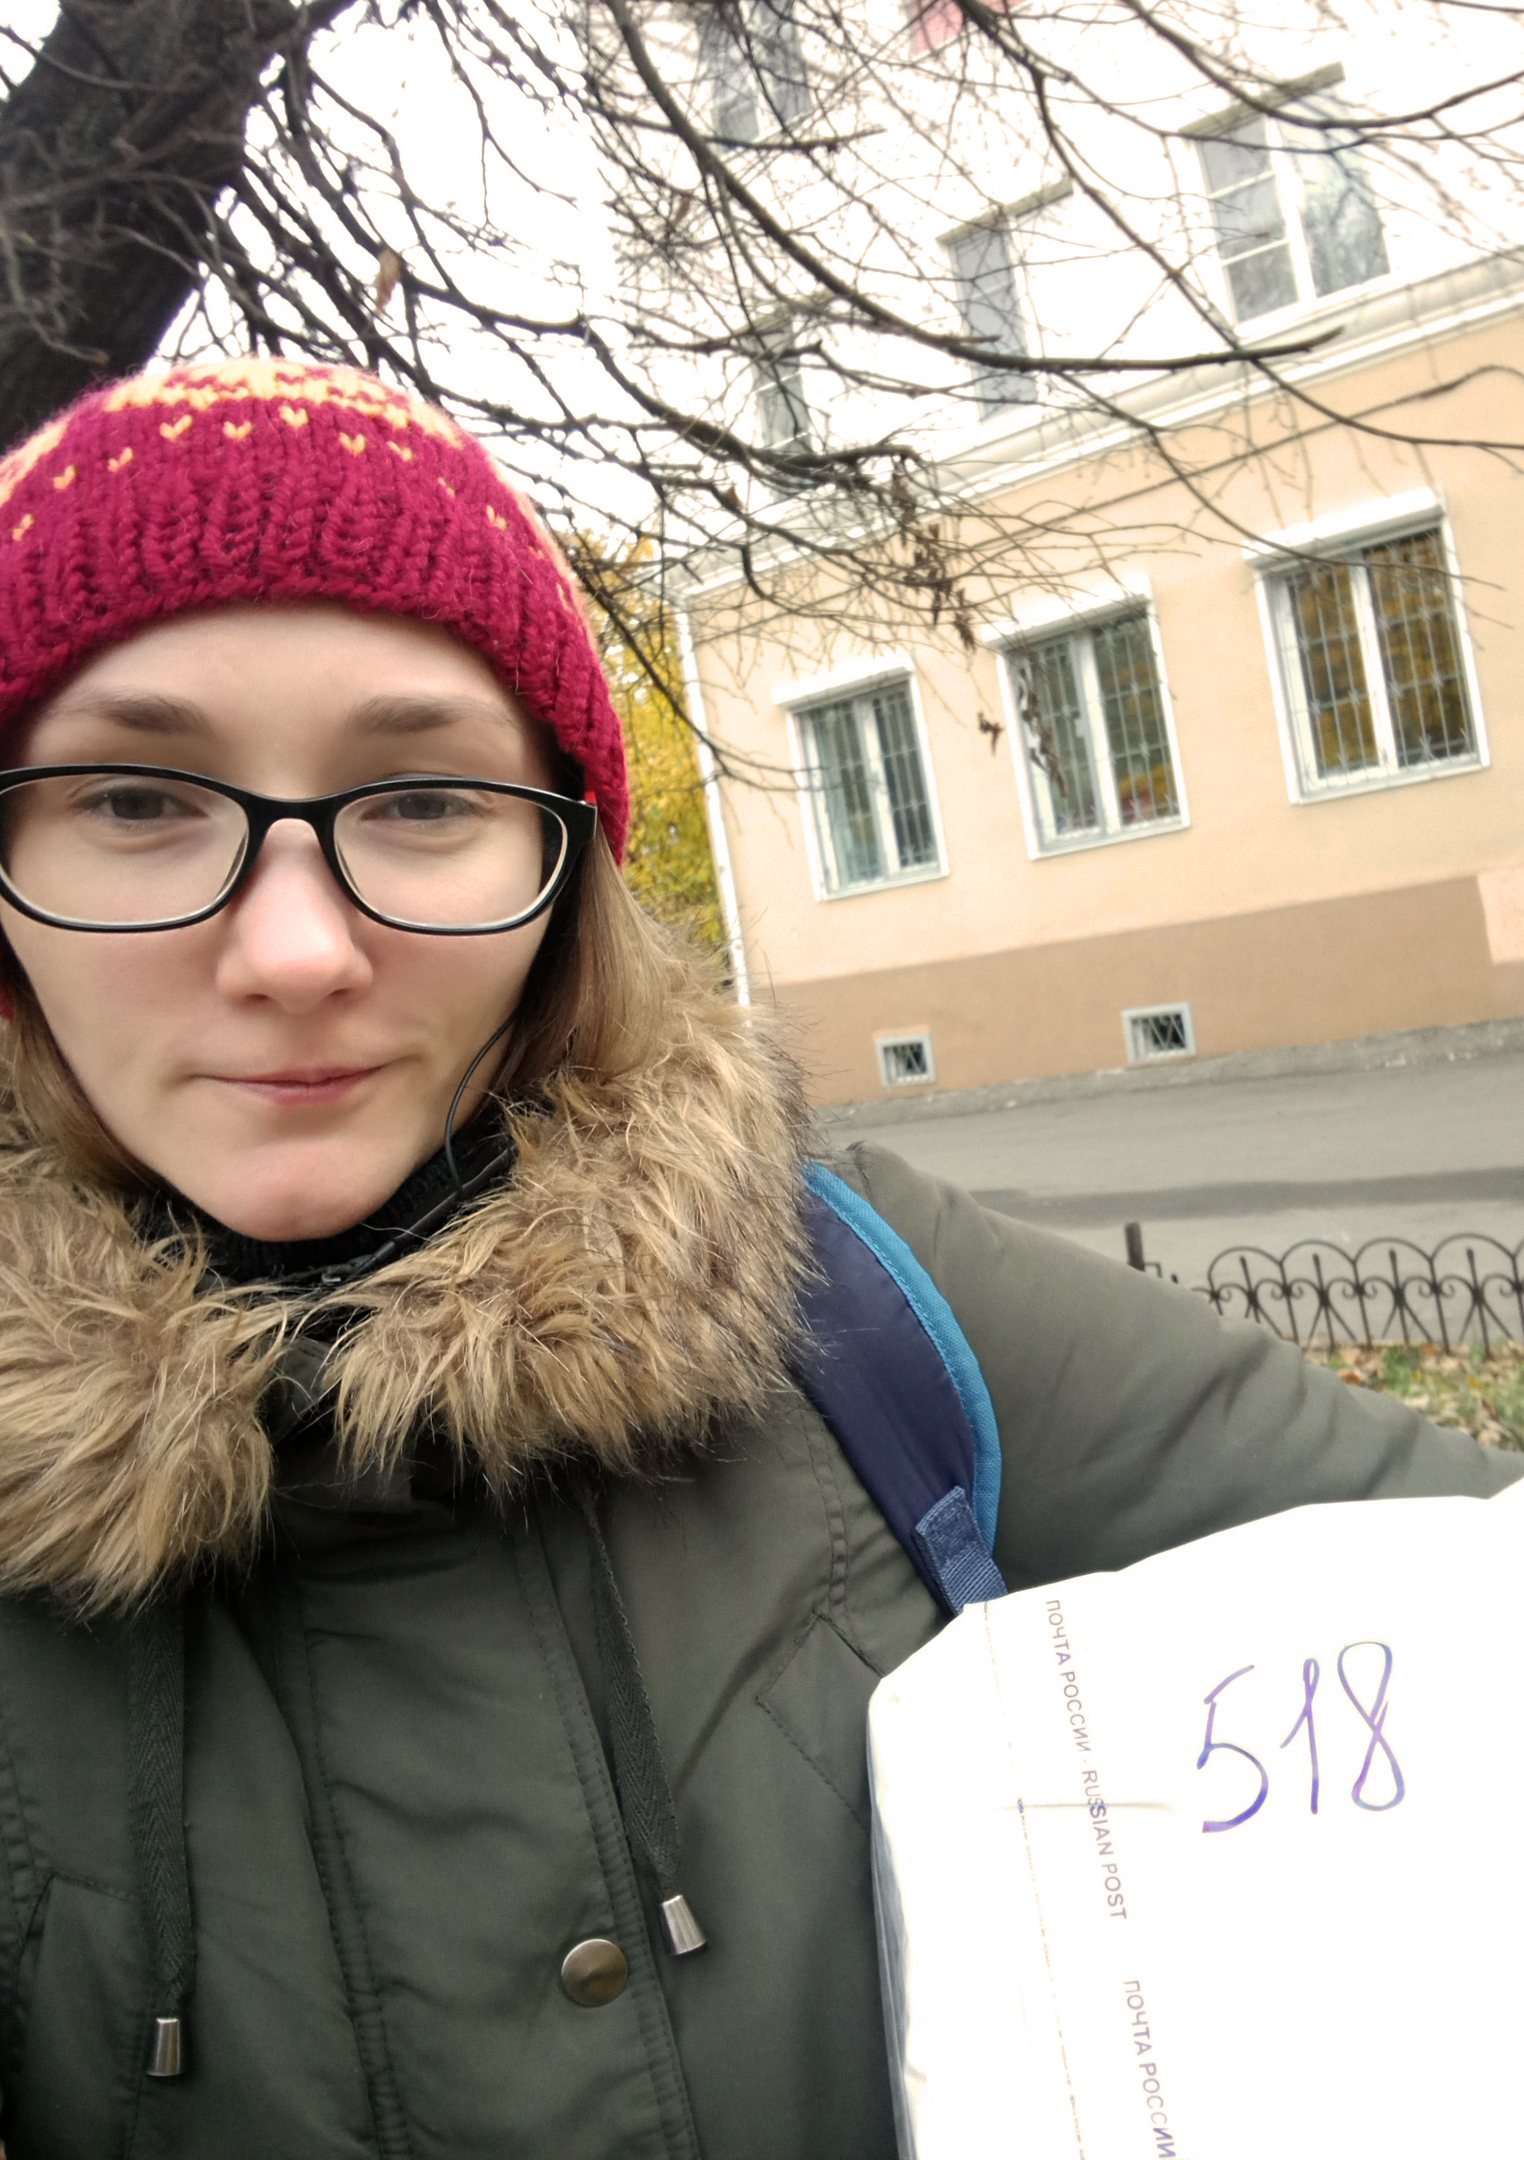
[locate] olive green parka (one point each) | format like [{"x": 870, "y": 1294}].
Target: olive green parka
[{"x": 398, "y": 1815}]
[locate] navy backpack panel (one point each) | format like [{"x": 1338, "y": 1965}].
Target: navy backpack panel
[{"x": 889, "y": 1369}]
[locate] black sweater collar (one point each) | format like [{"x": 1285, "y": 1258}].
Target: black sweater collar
[{"x": 425, "y": 1200}]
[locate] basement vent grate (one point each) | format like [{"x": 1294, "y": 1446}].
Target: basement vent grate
[
  {"x": 1158, "y": 1031},
  {"x": 905, "y": 1060}
]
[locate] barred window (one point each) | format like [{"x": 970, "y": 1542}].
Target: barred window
[
  {"x": 1369, "y": 647},
  {"x": 868, "y": 790},
  {"x": 1295, "y": 215},
  {"x": 1090, "y": 713}
]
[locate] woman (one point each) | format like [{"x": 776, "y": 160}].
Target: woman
[{"x": 420, "y": 1565}]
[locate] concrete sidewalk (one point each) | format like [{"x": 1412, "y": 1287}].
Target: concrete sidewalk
[{"x": 1411, "y": 1150}]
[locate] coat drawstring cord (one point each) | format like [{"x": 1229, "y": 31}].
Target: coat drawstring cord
[
  {"x": 645, "y": 1797},
  {"x": 156, "y": 1779}
]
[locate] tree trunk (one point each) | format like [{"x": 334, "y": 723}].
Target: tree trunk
[{"x": 113, "y": 152}]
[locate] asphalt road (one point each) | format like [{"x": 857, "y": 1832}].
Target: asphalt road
[{"x": 1412, "y": 1152}]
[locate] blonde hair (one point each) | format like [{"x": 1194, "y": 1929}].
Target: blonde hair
[{"x": 592, "y": 1008}]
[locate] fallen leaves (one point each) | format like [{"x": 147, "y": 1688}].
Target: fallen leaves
[{"x": 1481, "y": 1392}]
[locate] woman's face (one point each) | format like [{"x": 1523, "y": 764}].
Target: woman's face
[{"x": 286, "y": 1063}]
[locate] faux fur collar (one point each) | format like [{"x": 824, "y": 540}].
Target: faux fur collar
[{"x": 634, "y": 1282}]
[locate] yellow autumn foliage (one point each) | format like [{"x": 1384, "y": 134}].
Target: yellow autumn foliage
[{"x": 668, "y": 863}]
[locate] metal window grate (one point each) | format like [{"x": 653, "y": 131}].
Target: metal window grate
[
  {"x": 1326, "y": 622},
  {"x": 1047, "y": 698},
  {"x": 1372, "y": 644},
  {"x": 845, "y": 796},
  {"x": 1420, "y": 653},
  {"x": 1158, "y": 1031},
  {"x": 1091, "y": 714},
  {"x": 1134, "y": 717},
  {"x": 869, "y": 790},
  {"x": 905, "y": 784},
  {"x": 905, "y": 1060}
]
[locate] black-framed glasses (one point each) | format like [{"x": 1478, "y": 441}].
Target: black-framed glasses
[{"x": 144, "y": 847}]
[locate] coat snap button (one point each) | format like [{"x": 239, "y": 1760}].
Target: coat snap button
[{"x": 594, "y": 1972}]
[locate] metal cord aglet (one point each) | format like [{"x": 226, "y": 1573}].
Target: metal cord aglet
[
  {"x": 166, "y": 2055},
  {"x": 682, "y": 1932}
]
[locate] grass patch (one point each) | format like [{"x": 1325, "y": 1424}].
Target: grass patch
[{"x": 1482, "y": 1395}]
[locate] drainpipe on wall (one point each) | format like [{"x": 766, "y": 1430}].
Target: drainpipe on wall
[{"x": 715, "y": 808}]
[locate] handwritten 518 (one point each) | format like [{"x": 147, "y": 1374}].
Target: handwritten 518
[{"x": 1372, "y": 1715}]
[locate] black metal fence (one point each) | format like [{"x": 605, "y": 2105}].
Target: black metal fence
[{"x": 1466, "y": 1292}]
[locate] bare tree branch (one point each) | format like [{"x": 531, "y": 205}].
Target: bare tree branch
[{"x": 776, "y": 375}]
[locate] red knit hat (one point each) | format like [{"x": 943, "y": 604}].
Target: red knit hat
[{"x": 276, "y": 480}]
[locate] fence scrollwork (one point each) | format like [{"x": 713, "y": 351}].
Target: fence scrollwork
[{"x": 1465, "y": 1292}]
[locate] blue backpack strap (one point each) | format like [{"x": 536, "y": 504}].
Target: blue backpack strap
[{"x": 889, "y": 1369}]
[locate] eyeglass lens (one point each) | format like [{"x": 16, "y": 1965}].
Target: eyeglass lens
[{"x": 118, "y": 849}]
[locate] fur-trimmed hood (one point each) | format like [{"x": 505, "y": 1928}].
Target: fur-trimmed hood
[{"x": 634, "y": 1281}]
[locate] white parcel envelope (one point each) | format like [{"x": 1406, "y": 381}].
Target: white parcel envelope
[{"x": 1216, "y": 1858}]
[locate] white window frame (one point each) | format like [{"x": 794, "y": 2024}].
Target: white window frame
[
  {"x": 854, "y": 682},
  {"x": 1176, "y": 1008},
  {"x": 1344, "y": 534},
  {"x": 1036, "y": 630},
  {"x": 888, "y": 1039},
  {"x": 1288, "y": 195}
]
